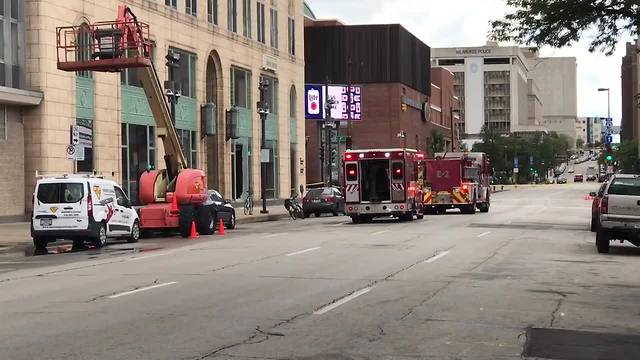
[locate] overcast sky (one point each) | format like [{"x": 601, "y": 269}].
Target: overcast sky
[{"x": 450, "y": 23}]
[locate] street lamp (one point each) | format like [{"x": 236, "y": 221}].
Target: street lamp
[{"x": 608, "y": 100}]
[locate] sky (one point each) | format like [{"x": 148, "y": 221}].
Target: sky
[{"x": 461, "y": 23}]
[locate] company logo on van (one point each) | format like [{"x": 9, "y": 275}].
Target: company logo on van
[
  {"x": 53, "y": 209},
  {"x": 98, "y": 190}
]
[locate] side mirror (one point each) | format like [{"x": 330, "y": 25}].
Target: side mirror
[{"x": 592, "y": 194}]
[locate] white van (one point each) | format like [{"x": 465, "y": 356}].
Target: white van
[{"x": 81, "y": 208}]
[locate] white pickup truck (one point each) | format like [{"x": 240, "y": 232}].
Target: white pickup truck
[{"x": 619, "y": 212}]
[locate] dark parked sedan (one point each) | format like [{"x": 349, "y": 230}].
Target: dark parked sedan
[
  {"x": 224, "y": 209},
  {"x": 323, "y": 200}
]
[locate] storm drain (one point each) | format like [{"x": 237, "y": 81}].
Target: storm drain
[{"x": 568, "y": 344}]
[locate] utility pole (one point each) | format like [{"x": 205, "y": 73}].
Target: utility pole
[{"x": 263, "y": 111}]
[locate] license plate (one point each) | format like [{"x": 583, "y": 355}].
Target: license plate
[
  {"x": 45, "y": 222},
  {"x": 316, "y": 201}
]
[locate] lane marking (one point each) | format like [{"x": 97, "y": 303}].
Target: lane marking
[
  {"x": 484, "y": 234},
  {"x": 432, "y": 259},
  {"x": 273, "y": 235},
  {"x": 303, "y": 251},
  {"x": 342, "y": 301},
  {"x": 540, "y": 210},
  {"x": 148, "y": 256},
  {"x": 141, "y": 289},
  {"x": 508, "y": 222},
  {"x": 380, "y": 232}
]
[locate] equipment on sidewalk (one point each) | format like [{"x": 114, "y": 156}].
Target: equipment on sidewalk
[
  {"x": 125, "y": 44},
  {"x": 220, "y": 227},
  {"x": 193, "y": 234}
]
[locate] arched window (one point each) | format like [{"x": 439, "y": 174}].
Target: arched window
[{"x": 292, "y": 101}]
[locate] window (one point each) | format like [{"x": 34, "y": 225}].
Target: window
[
  {"x": 232, "y": 15},
  {"x": 625, "y": 186},
  {"x": 60, "y": 193},
  {"x": 241, "y": 88},
  {"x": 246, "y": 18},
  {"x": 121, "y": 198},
  {"x": 274, "y": 28},
  {"x": 212, "y": 11},
  {"x": 191, "y": 7},
  {"x": 496, "y": 61},
  {"x": 271, "y": 94},
  {"x": 138, "y": 155},
  {"x": 84, "y": 49},
  {"x": 260, "y": 19},
  {"x": 172, "y": 3},
  {"x": 292, "y": 102},
  {"x": 188, "y": 140},
  {"x": 450, "y": 62},
  {"x": 185, "y": 74},
  {"x": 352, "y": 172},
  {"x": 3, "y": 122},
  {"x": 292, "y": 36}
]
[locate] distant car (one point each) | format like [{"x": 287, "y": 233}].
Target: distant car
[
  {"x": 592, "y": 177},
  {"x": 570, "y": 171},
  {"x": 224, "y": 210},
  {"x": 595, "y": 207},
  {"x": 578, "y": 178},
  {"x": 323, "y": 200},
  {"x": 602, "y": 177},
  {"x": 561, "y": 180}
]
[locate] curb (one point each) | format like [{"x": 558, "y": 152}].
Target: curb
[{"x": 249, "y": 219}]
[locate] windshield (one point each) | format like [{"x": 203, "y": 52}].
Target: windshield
[
  {"x": 60, "y": 193},
  {"x": 625, "y": 186}
]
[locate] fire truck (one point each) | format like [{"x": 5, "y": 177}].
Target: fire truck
[
  {"x": 172, "y": 198},
  {"x": 457, "y": 180},
  {"x": 383, "y": 182}
]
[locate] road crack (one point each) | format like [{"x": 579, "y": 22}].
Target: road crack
[
  {"x": 555, "y": 312},
  {"x": 495, "y": 252},
  {"x": 410, "y": 311}
]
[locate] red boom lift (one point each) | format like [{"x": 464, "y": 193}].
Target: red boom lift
[{"x": 173, "y": 197}]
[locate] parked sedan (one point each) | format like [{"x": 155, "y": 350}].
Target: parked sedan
[
  {"x": 578, "y": 178},
  {"x": 224, "y": 209},
  {"x": 323, "y": 200},
  {"x": 561, "y": 180}
]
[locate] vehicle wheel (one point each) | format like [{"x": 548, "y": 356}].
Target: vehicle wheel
[
  {"x": 205, "y": 222},
  {"x": 593, "y": 224},
  {"x": 40, "y": 242},
  {"x": 420, "y": 215},
  {"x": 305, "y": 215},
  {"x": 484, "y": 207},
  {"x": 232, "y": 221},
  {"x": 355, "y": 219},
  {"x": 602, "y": 241},
  {"x": 317, "y": 214},
  {"x": 335, "y": 211},
  {"x": 365, "y": 218},
  {"x": 184, "y": 220},
  {"x": 406, "y": 217},
  {"x": 100, "y": 238},
  {"x": 135, "y": 233}
]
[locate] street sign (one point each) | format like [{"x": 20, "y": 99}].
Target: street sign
[
  {"x": 516, "y": 170},
  {"x": 608, "y": 139},
  {"x": 79, "y": 153},
  {"x": 75, "y": 134},
  {"x": 515, "y": 162},
  {"x": 70, "y": 152},
  {"x": 264, "y": 156}
]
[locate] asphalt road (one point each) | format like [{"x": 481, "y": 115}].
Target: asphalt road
[{"x": 524, "y": 279}]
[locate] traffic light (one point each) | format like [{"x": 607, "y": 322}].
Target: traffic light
[
  {"x": 609, "y": 157},
  {"x": 173, "y": 59},
  {"x": 530, "y": 169},
  {"x": 348, "y": 142}
]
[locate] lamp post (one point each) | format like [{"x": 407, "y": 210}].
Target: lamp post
[
  {"x": 608, "y": 101},
  {"x": 263, "y": 111}
]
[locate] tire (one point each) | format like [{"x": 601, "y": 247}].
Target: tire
[
  {"x": 420, "y": 215},
  {"x": 594, "y": 226},
  {"x": 484, "y": 207},
  {"x": 305, "y": 215},
  {"x": 184, "y": 220},
  {"x": 602, "y": 241},
  {"x": 232, "y": 221},
  {"x": 335, "y": 211},
  {"x": 40, "y": 242},
  {"x": 355, "y": 219},
  {"x": 317, "y": 214},
  {"x": 365, "y": 218},
  {"x": 205, "y": 221},
  {"x": 406, "y": 217},
  {"x": 100, "y": 238},
  {"x": 135, "y": 233}
]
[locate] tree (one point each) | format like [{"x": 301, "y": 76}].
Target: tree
[
  {"x": 558, "y": 23},
  {"x": 436, "y": 142},
  {"x": 579, "y": 143}
]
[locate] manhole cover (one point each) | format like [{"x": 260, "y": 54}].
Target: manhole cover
[{"x": 568, "y": 344}]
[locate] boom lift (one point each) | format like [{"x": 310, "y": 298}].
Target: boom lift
[{"x": 173, "y": 197}]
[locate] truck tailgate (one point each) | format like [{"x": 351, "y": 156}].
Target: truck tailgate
[{"x": 626, "y": 205}]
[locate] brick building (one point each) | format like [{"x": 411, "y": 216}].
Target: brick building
[
  {"x": 630, "y": 88},
  {"x": 404, "y": 101}
]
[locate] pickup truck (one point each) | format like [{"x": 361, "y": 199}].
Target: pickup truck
[{"x": 619, "y": 212}]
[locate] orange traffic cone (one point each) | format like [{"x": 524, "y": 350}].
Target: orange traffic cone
[
  {"x": 194, "y": 234},
  {"x": 221, "y": 227},
  {"x": 174, "y": 205}
]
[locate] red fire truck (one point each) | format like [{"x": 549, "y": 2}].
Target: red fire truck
[
  {"x": 458, "y": 180},
  {"x": 383, "y": 182}
]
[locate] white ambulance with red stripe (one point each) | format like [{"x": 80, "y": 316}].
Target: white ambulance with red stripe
[{"x": 383, "y": 182}]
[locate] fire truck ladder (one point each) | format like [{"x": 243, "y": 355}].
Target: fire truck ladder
[{"x": 113, "y": 46}]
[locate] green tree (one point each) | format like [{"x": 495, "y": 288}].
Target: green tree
[
  {"x": 436, "y": 142},
  {"x": 559, "y": 23},
  {"x": 579, "y": 143}
]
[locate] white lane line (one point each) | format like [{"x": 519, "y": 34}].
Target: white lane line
[
  {"x": 149, "y": 256},
  {"x": 341, "y": 301},
  {"x": 432, "y": 259},
  {"x": 508, "y": 222},
  {"x": 380, "y": 232},
  {"x": 141, "y": 289},
  {"x": 273, "y": 235},
  {"x": 540, "y": 210},
  {"x": 338, "y": 224},
  {"x": 484, "y": 234},
  {"x": 303, "y": 251}
]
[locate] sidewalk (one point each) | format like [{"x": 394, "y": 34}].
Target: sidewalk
[{"x": 16, "y": 237}]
